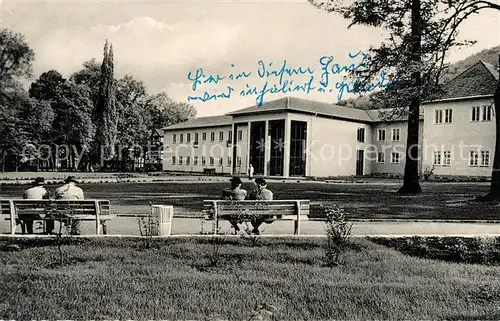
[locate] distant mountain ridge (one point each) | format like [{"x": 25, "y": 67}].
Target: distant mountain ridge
[{"x": 488, "y": 55}]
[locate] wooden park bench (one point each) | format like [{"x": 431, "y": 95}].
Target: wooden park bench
[
  {"x": 80, "y": 210},
  {"x": 294, "y": 210}
]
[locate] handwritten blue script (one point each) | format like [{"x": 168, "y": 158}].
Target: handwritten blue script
[{"x": 271, "y": 78}]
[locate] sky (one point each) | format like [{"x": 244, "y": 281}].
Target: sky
[{"x": 160, "y": 42}]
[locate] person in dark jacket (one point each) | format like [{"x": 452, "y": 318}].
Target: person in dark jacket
[{"x": 235, "y": 192}]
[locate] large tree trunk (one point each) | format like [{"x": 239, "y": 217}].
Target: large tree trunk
[
  {"x": 494, "y": 193},
  {"x": 410, "y": 182},
  {"x": 3, "y": 160}
]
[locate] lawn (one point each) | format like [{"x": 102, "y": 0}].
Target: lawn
[
  {"x": 117, "y": 279},
  {"x": 365, "y": 201}
]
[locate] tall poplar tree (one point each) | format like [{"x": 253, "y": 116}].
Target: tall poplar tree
[{"x": 105, "y": 111}]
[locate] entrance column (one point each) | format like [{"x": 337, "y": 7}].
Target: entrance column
[
  {"x": 267, "y": 149},
  {"x": 286, "y": 161},
  {"x": 233, "y": 148},
  {"x": 248, "y": 151}
]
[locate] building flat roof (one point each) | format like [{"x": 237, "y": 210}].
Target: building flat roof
[
  {"x": 289, "y": 104},
  {"x": 213, "y": 121}
]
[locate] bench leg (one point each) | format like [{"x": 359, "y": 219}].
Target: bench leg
[
  {"x": 295, "y": 227},
  {"x": 104, "y": 227}
]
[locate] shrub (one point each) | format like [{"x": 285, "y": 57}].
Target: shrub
[
  {"x": 338, "y": 233},
  {"x": 453, "y": 249},
  {"x": 148, "y": 227},
  {"x": 428, "y": 171}
]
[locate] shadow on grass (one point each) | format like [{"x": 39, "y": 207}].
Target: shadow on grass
[{"x": 494, "y": 315}]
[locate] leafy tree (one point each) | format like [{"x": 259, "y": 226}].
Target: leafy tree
[
  {"x": 73, "y": 125},
  {"x": 89, "y": 75},
  {"x": 23, "y": 121},
  {"x": 420, "y": 34},
  {"x": 13, "y": 137},
  {"x": 105, "y": 111},
  {"x": 72, "y": 109},
  {"x": 165, "y": 111},
  {"x": 46, "y": 86},
  {"x": 16, "y": 56},
  {"x": 132, "y": 120}
]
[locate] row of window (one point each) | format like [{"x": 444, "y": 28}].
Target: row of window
[
  {"x": 476, "y": 158},
  {"x": 439, "y": 113},
  {"x": 204, "y": 137},
  {"x": 395, "y": 158},
  {"x": 212, "y": 160},
  {"x": 478, "y": 113},
  {"x": 485, "y": 111},
  {"x": 396, "y": 133}
]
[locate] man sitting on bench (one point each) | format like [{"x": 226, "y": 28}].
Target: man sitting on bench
[
  {"x": 36, "y": 192},
  {"x": 69, "y": 191}
]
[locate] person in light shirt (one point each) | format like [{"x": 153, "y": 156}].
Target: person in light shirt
[
  {"x": 36, "y": 192},
  {"x": 70, "y": 191}
]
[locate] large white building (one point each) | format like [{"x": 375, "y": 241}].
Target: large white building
[{"x": 296, "y": 137}]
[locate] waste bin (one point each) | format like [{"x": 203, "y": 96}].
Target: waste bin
[{"x": 163, "y": 215}]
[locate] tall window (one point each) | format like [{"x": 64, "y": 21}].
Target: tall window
[
  {"x": 180, "y": 160},
  {"x": 238, "y": 161},
  {"x": 447, "y": 113},
  {"x": 381, "y": 158},
  {"x": 221, "y": 136},
  {"x": 196, "y": 138},
  {"x": 240, "y": 135},
  {"x": 438, "y": 116},
  {"x": 181, "y": 138},
  {"x": 381, "y": 134},
  {"x": 448, "y": 116},
  {"x": 395, "y": 134},
  {"x": 195, "y": 160},
  {"x": 188, "y": 137},
  {"x": 221, "y": 161},
  {"x": 361, "y": 135},
  {"x": 204, "y": 136},
  {"x": 174, "y": 138},
  {"x": 485, "y": 158},
  {"x": 211, "y": 161},
  {"x": 229, "y": 161},
  {"x": 437, "y": 158},
  {"x": 203, "y": 160},
  {"x": 395, "y": 158},
  {"x": 475, "y": 113},
  {"x": 230, "y": 139},
  {"x": 212, "y": 136},
  {"x": 188, "y": 160},
  {"x": 486, "y": 113},
  {"x": 473, "y": 158},
  {"x": 173, "y": 160},
  {"x": 447, "y": 158}
]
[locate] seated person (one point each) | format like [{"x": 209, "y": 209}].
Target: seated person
[
  {"x": 36, "y": 192},
  {"x": 235, "y": 192},
  {"x": 69, "y": 191},
  {"x": 261, "y": 193}
]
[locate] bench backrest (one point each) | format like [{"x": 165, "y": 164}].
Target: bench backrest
[
  {"x": 276, "y": 208},
  {"x": 65, "y": 207}
]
